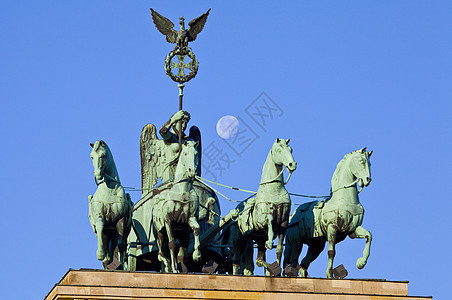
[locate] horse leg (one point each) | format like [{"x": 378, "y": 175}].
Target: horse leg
[
  {"x": 314, "y": 250},
  {"x": 235, "y": 260},
  {"x": 331, "y": 236},
  {"x": 122, "y": 242},
  {"x": 260, "y": 260},
  {"x": 362, "y": 233},
  {"x": 99, "y": 225},
  {"x": 181, "y": 254},
  {"x": 193, "y": 223},
  {"x": 161, "y": 256},
  {"x": 269, "y": 242},
  {"x": 279, "y": 246},
  {"x": 236, "y": 239},
  {"x": 294, "y": 245},
  {"x": 247, "y": 258},
  {"x": 108, "y": 249},
  {"x": 171, "y": 245}
]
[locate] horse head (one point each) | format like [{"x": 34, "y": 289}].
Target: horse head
[
  {"x": 360, "y": 166},
  {"x": 188, "y": 160},
  {"x": 98, "y": 157},
  {"x": 282, "y": 154}
]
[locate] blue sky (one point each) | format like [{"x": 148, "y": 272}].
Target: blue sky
[{"x": 344, "y": 74}]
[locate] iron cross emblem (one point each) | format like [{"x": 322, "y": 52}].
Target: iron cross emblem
[{"x": 181, "y": 65}]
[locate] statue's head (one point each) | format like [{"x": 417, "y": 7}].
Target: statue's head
[
  {"x": 98, "y": 157},
  {"x": 282, "y": 154},
  {"x": 360, "y": 167}
]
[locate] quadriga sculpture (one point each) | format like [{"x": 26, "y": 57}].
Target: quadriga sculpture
[
  {"x": 177, "y": 210},
  {"x": 332, "y": 220},
  {"x": 110, "y": 209},
  {"x": 265, "y": 217}
]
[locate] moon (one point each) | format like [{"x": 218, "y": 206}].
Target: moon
[{"x": 227, "y": 127}]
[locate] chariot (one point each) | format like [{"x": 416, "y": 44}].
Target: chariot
[
  {"x": 177, "y": 226},
  {"x": 142, "y": 240}
]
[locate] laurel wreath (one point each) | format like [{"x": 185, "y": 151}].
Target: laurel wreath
[{"x": 181, "y": 51}]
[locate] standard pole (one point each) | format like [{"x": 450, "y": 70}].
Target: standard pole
[{"x": 181, "y": 95}]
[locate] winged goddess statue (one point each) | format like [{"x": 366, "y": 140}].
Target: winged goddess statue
[
  {"x": 183, "y": 36},
  {"x": 159, "y": 157}
]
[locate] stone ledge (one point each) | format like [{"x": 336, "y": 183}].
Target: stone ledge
[{"x": 101, "y": 284}]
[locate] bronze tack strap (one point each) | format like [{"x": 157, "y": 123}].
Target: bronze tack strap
[{"x": 227, "y": 186}]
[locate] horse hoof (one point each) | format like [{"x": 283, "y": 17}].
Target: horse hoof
[
  {"x": 269, "y": 245},
  {"x": 197, "y": 255},
  {"x": 361, "y": 262},
  {"x": 100, "y": 255},
  {"x": 329, "y": 274},
  {"x": 303, "y": 272}
]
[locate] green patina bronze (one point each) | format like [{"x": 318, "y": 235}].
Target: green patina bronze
[
  {"x": 334, "y": 219},
  {"x": 181, "y": 65},
  {"x": 160, "y": 160},
  {"x": 110, "y": 208},
  {"x": 178, "y": 208},
  {"x": 265, "y": 217},
  {"x": 159, "y": 157},
  {"x": 181, "y": 38},
  {"x": 177, "y": 224}
]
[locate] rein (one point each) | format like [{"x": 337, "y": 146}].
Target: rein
[
  {"x": 348, "y": 186},
  {"x": 274, "y": 179},
  {"x": 106, "y": 176}
]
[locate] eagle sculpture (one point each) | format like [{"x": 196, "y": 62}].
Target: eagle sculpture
[{"x": 181, "y": 37}]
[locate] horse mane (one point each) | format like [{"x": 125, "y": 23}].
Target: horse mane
[
  {"x": 113, "y": 172},
  {"x": 339, "y": 166}
]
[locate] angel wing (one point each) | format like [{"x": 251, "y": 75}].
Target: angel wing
[
  {"x": 196, "y": 25},
  {"x": 151, "y": 161},
  {"x": 195, "y": 134},
  {"x": 165, "y": 26}
]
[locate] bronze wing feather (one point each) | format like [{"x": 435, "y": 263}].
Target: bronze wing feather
[
  {"x": 165, "y": 26},
  {"x": 196, "y": 25},
  {"x": 195, "y": 134},
  {"x": 150, "y": 163}
]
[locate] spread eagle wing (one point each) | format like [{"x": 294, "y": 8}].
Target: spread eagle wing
[
  {"x": 195, "y": 134},
  {"x": 151, "y": 161},
  {"x": 196, "y": 25},
  {"x": 165, "y": 26}
]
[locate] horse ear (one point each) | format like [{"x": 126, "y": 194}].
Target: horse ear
[
  {"x": 370, "y": 153},
  {"x": 287, "y": 141},
  {"x": 101, "y": 143},
  {"x": 277, "y": 140},
  {"x": 363, "y": 150},
  {"x": 185, "y": 143},
  {"x": 92, "y": 145}
]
